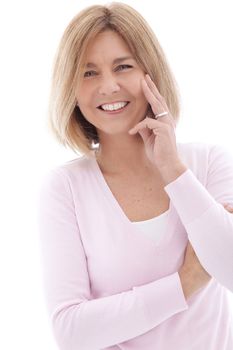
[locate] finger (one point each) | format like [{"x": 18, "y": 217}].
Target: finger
[
  {"x": 154, "y": 89},
  {"x": 159, "y": 97},
  {"x": 156, "y": 105},
  {"x": 228, "y": 207},
  {"x": 147, "y": 123},
  {"x": 225, "y": 205},
  {"x": 145, "y": 134}
]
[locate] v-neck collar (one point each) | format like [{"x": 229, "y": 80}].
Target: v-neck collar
[{"x": 172, "y": 217}]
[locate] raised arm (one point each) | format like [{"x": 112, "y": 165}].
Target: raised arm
[{"x": 208, "y": 224}]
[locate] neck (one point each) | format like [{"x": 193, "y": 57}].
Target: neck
[{"x": 123, "y": 155}]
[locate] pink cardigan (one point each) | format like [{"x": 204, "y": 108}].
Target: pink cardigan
[{"x": 107, "y": 286}]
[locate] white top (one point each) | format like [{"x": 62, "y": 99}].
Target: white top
[{"x": 153, "y": 228}]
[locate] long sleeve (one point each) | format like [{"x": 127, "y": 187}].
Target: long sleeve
[
  {"x": 78, "y": 320},
  {"x": 209, "y": 226}
]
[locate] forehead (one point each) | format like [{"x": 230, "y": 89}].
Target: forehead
[{"x": 107, "y": 47}]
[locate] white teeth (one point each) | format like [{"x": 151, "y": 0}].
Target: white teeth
[{"x": 114, "y": 106}]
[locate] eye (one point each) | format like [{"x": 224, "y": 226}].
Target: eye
[
  {"x": 89, "y": 73},
  {"x": 124, "y": 66}
]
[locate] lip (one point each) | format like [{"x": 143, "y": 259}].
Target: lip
[
  {"x": 116, "y": 112},
  {"x": 111, "y": 103}
]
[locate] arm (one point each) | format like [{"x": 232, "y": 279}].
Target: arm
[
  {"x": 78, "y": 320},
  {"x": 209, "y": 226},
  {"x": 192, "y": 274}
]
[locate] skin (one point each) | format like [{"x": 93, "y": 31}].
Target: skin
[
  {"x": 107, "y": 82},
  {"x": 133, "y": 142},
  {"x": 130, "y": 142}
]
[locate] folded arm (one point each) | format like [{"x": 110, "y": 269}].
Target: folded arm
[
  {"x": 78, "y": 320},
  {"x": 209, "y": 226}
]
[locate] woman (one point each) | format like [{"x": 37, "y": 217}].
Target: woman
[{"x": 136, "y": 243}]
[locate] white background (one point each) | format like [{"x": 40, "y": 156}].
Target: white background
[{"x": 197, "y": 39}]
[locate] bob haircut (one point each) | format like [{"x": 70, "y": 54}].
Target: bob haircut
[{"x": 65, "y": 118}]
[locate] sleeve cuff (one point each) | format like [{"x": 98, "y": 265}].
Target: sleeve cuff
[
  {"x": 189, "y": 197},
  {"x": 163, "y": 298}
]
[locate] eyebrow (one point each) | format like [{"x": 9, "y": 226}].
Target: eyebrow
[{"x": 117, "y": 60}]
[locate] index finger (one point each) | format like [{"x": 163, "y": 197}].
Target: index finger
[
  {"x": 154, "y": 88},
  {"x": 157, "y": 105},
  {"x": 151, "y": 98}
]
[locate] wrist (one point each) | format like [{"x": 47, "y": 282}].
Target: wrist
[
  {"x": 186, "y": 282},
  {"x": 171, "y": 172}
]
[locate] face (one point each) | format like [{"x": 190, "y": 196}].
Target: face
[{"x": 110, "y": 95}]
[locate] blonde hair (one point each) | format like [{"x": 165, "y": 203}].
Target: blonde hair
[{"x": 65, "y": 118}]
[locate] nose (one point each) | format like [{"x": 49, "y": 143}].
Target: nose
[{"x": 108, "y": 85}]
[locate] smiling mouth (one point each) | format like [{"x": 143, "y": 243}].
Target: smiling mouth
[{"x": 113, "y": 109}]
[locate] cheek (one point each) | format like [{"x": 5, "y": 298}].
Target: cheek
[
  {"x": 137, "y": 87},
  {"x": 82, "y": 94},
  {"x": 84, "y": 105}
]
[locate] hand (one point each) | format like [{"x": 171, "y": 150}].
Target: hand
[
  {"x": 158, "y": 135},
  {"x": 193, "y": 276},
  {"x": 228, "y": 207}
]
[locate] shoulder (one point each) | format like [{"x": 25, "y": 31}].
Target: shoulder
[
  {"x": 202, "y": 150},
  {"x": 190, "y": 149},
  {"x": 206, "y": 159},
  {"x": 68, "y": 174},
  {"x": 194, "y": 154},
  {"x": 80, "y": 164}
]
